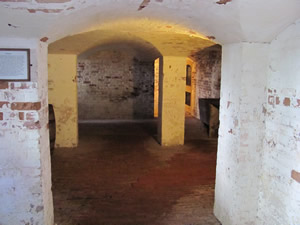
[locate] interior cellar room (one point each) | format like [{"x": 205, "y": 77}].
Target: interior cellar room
[{"x": 149, "y": 112}]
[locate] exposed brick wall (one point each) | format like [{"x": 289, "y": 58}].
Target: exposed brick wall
[
  {"x": 115, "y": 85},
  {"x": 20, "y": 153},
  {"x": 20, "y": 109},
  {"x": 208, "y": 74}
]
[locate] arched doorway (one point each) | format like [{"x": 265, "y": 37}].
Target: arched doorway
[{"x": 172, "y": 75}]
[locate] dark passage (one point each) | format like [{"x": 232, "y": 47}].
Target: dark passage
[{"x": 120, "y": 175}]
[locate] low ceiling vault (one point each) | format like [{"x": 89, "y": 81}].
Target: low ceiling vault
[{"x": 225, "y": 21}]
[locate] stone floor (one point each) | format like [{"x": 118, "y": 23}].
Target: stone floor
[{"x": 119, "y": 175}]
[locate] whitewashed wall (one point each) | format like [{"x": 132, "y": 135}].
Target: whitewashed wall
[
  {"x": 258, "y": 165},
  {"x": 280, "y": 192},
  {"x": 25, "y": 174},
  {"x": 241, "y": 133}
]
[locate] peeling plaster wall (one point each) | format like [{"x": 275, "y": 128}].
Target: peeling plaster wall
[
  {"x": 280, "y": 194},
  {"x": 241, "y": 133},
  {"x": 208, "y": 75},
  {"x": 63, "y": 95},
  {"x": 25, "y": 171},
  {"x": 113, "y": 84}
]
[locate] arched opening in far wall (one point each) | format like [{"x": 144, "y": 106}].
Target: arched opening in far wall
[{"x": 118, "y": 85}]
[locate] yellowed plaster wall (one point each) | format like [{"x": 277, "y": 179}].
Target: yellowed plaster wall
[
  {"x": 172, "y": 100},
  {"x": 189, "y": 110},
  {"x": 63, "y": 95},
  {"x": 156, "y": 86}
]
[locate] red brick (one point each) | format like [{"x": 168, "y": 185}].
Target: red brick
[
  {"x": 26, "y": 106},
  {"x": 286, "y": 102},
  {"x": 3, "y": 103},
  {"x": 23, "y": 86},
  {"x": 1, "y": 115},
  {"x": 298, "y": 103},
  {"x": 21, "y": 115},
  {"x": 277, "y": 101},
  {"x": 32, "y": 125},
  {"x": 223, "y": 2},
  {"x": 296, "y": 176},
  {"x": 271, "y": 100},
  {"x": 44, "y": 39},
  {"x": 15, "y": 0},
  {"x": 3, "y": 84},
  {"x": 45, "y": 10},
  {"x": 52, "y": 1}
]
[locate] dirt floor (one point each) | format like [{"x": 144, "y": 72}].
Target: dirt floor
[{"x": 120, "y": 175}]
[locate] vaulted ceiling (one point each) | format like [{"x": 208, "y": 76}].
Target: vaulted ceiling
[
  {"x": 226, "y": 20},
  {"x": 148, "y": 37}
]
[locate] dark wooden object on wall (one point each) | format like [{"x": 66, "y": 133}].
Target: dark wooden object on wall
[
  {"x": 52, "y": 128},
  {"x": 209, "y": 114}
]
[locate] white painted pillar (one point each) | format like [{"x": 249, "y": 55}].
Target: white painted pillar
[
  {"x": 280, "y": 193},
  {"x": 241, "y": 133},
  {"x": 25, "y": 170}
]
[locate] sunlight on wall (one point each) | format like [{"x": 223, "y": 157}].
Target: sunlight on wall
[
  {"x": 189, "y": 110},
  {"x": 156, "y": 87}
]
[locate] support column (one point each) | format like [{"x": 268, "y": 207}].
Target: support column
[
  {"x": 241, "y": 133},
  {"x": 63, "y": 95},
  {"x": 171, "y": 100},
  {"x": 25, "y": 170}
]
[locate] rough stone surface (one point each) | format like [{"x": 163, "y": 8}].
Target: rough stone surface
[{"x": 113, "y": 84}]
